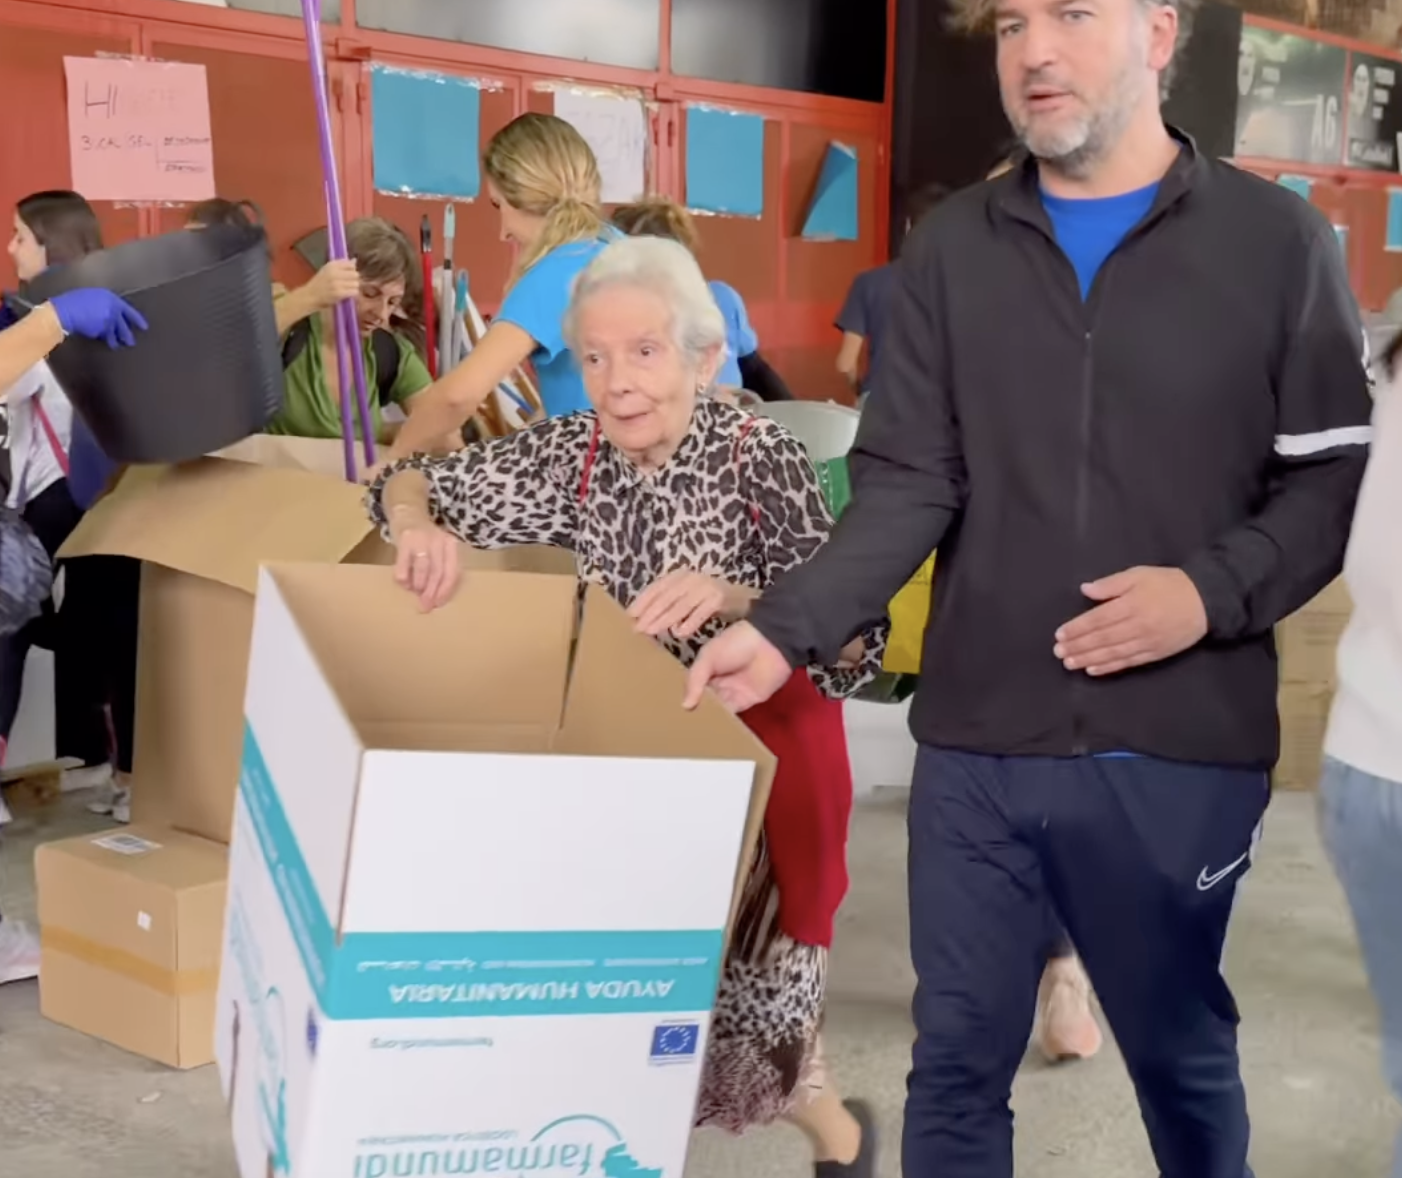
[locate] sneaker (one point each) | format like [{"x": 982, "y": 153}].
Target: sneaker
[
  {"x": 88, "y": 777},
  {"x": 121, "y": 804},
  {"x": 115, "y": 801},
  {"x": 864, "y": 1164},
  {"x": 1066, "y": 1026},
  {"x": 112, "y": 793},
  {"x": 19, "y": 952}
]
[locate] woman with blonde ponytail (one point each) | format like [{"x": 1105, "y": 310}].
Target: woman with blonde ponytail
[{"x": 544, "y": 180}]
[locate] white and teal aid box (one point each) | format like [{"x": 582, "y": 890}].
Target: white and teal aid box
[{"x": 482, "y": 871}]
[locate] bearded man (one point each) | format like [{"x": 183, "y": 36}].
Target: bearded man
[{"x": 1124, "y": 392}]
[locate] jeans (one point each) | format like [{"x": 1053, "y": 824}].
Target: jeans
[
  {"x": 1361, "y": 817},
  {"x": 1141, "y": 859}
]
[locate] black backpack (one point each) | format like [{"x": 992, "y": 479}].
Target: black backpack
[
  {"x": 26, "y": 573},
  {"x": 384, "y": 347}
]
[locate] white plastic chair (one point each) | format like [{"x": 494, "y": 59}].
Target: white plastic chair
[{"x": 826, "y": 429}]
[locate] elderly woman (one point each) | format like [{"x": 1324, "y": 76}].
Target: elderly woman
[{"x": 685, "y": 509}]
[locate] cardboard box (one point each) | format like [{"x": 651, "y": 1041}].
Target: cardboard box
[
  {"x": 131, "y": 925},
  {"x": 1304, "y": 717},
  {"x": 203, "y": 529},
  {"x": 481, "y": 881},
  {"x": 1307, "y": 642}
]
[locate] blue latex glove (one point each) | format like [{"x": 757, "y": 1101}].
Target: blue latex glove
[{"x": 98, "y": 314}]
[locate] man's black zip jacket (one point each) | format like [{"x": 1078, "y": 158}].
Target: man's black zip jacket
[{"x": 1206, "y": 407}]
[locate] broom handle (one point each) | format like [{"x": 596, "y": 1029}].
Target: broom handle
[
  {"x": 347, "y": 332},
  {"x": 430, "y": 312},
  {"x": 345, "y": 375}
]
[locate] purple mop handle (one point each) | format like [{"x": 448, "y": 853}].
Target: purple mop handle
[
  {"x": 344, "y": 373},
  {"x": 347, "y": 335}
]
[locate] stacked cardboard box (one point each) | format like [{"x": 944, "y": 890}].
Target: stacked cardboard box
[
  {"x": 144, "y": 976},
  {"x": 1307, "y": 643},
  {"x": 131, "y": 926}
]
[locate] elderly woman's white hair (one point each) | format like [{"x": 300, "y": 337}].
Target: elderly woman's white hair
[{"x": 667, "y": 269}]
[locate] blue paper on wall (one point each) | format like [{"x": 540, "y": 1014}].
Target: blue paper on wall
[
  {"x": 1301, "y": 186},
  {"x": 426, "y": 130},
  {"x": 833, "y": 214},
  {"x": 724, "y": 161},
  {"x": 1393, "y": 241}
]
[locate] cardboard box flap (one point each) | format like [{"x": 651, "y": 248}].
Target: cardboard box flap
[
  {"x": 324, "y": 456},
  {"x": 534, "y": 558},
  {"x": 495, "y": 657},
  {"x": 625, "y": 699},
  {"x": 219, "y": 519}
]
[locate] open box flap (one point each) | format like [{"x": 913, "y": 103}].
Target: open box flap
[
  {"x": 611, "y": 661},
  {"x": 219, "y": 520},
  {"x": 496, "y": 656},
  {"x": 324, "y": 456},
  {"x": 625, "y": 699}
]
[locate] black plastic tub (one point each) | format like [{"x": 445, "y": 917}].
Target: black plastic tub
[{"x": 207, "y": 373}]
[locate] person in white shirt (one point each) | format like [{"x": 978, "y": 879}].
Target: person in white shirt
[
  {"x": 37, "y": 492},
  {"x": 40, "y": 428},
  {"x": 1361, "y": 790}
]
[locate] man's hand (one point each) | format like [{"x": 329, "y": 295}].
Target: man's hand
[
  {"x": 1147, "y": 615},
  {"x": 741, "y": 666}
]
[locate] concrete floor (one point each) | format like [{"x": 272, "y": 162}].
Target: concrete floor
[{"x": 74, "y": 1108}]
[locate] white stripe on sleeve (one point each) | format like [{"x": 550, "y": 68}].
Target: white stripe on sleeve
[{"x": 1303, "y": 445}]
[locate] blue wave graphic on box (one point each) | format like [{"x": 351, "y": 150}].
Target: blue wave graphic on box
[{"x": 418, "y": 975}]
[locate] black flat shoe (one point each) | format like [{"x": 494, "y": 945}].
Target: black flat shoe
[{"x": 865, "y": 1164}]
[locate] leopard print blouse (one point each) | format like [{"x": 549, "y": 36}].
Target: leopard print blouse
[{"x": 739, "y": 504}]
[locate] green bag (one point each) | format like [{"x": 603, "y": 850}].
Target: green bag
[{"x": 836, "y": 482}]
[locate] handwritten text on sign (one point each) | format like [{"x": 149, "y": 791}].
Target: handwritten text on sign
[{"x": 139, "y": 130}]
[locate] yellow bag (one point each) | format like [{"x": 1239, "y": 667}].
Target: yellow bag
[{"x": 910, "y": 611}]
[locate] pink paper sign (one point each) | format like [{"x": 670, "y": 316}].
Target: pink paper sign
[{"x": 139, "y": 130}]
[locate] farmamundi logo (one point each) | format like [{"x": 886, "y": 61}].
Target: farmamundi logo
[{"x": 583, "y": 1146}]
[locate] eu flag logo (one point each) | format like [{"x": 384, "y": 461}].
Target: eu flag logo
[{"x": 675, "y": 1042}]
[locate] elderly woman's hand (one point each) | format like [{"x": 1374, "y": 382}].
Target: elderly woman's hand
[
  {"x": 427, "y": 562},
  {"x": 683, "y": 601}
]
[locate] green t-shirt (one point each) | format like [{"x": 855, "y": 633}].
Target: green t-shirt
[{"x": 310, "y": 411}]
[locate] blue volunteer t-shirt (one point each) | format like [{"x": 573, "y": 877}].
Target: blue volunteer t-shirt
[
  {"x": 1089, "y": 231},
  {"x": 537, "y": 305},
  {"x": 740, "y": 337}
]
